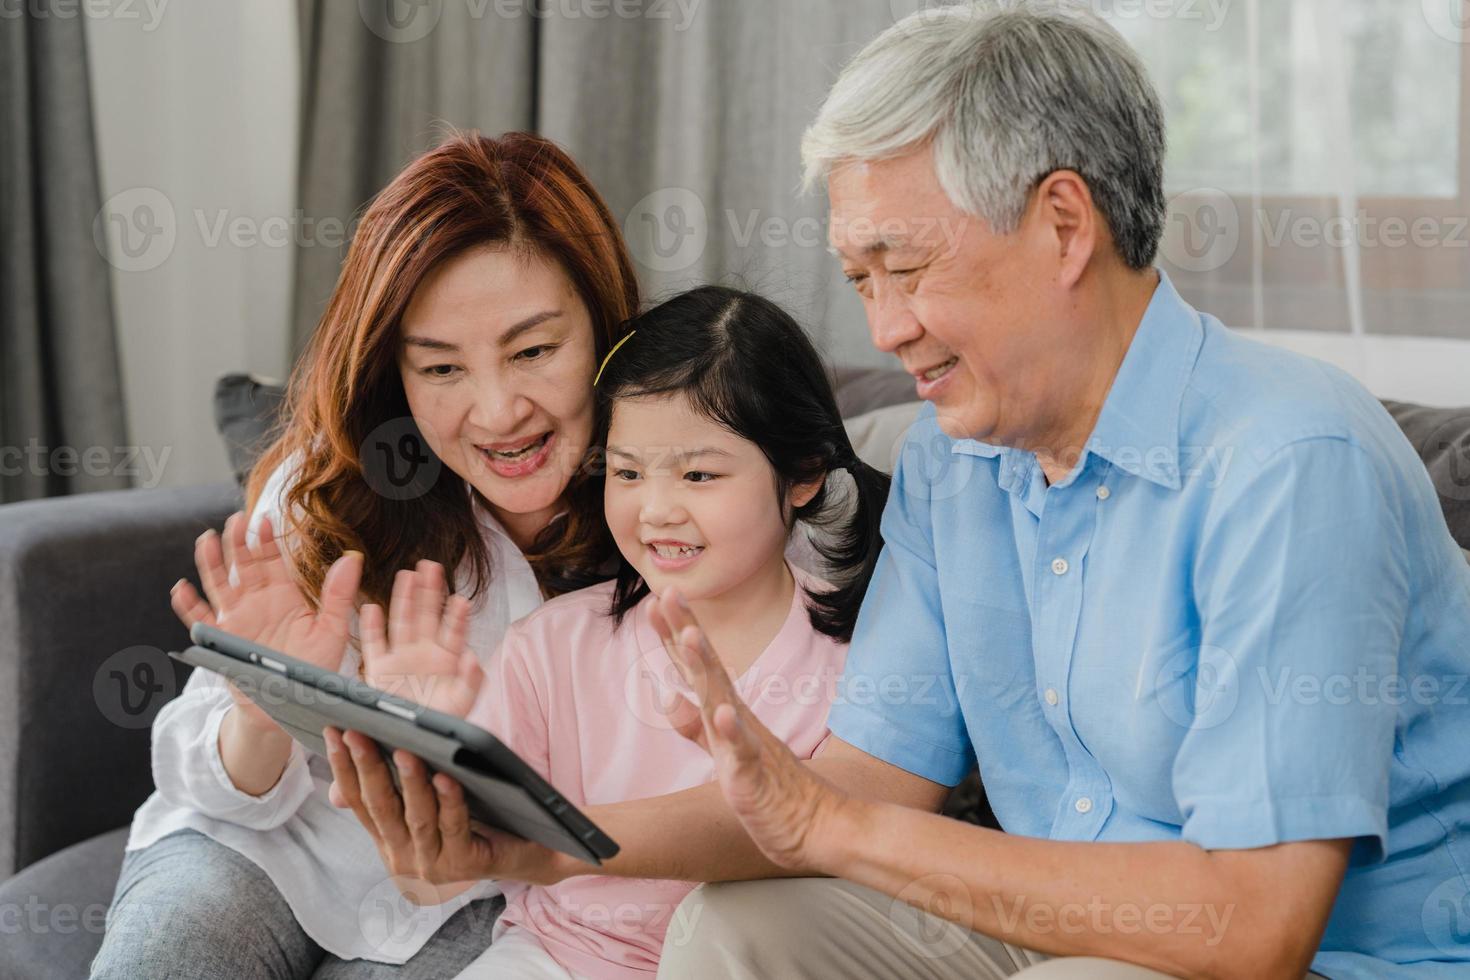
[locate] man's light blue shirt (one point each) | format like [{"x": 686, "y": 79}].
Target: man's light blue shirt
[{"x": 1239, "y": 621}]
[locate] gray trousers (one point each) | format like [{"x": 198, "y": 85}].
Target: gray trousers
[
  {"x": 829, "y": 928},
  {"x": 189, "y": 908}
]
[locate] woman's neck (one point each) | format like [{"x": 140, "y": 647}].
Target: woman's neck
[{"x": 742, "y": 621}]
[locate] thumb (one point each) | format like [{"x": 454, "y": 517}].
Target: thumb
[
  {"x": 339, "y": 591},
  {"x": 471, "y": 674}
]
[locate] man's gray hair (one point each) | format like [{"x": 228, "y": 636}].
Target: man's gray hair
[{"x": 1007, "y": 91}]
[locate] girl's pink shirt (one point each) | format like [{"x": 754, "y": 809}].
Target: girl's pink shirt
[{"x": 587, "y": 707}]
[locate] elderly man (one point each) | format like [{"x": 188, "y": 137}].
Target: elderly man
[{"x": 1188, "y": 602}]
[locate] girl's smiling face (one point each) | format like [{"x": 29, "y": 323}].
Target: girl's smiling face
[{"x": 690, "y": 503}]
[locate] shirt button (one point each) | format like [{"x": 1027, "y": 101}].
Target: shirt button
[
  {"x": 1083, "y": 804},
  {"x": 1103, "y": 493},
  {"x": 1051, "y": 695},
  {"x": 1059, "y": 566}
]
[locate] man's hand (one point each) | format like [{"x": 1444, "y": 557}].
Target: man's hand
[
  {"x": 782, "y": 803},
  {"x": 423, "y": 656},
  {"x": 427, "y": 831}
]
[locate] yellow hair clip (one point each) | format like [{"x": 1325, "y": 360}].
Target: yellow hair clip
[{"x": 626, "y": 338}]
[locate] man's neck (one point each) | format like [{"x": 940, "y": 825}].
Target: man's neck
[{"x": 1117, "y": 312}]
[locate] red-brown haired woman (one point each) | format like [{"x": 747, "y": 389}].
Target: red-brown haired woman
[{"x": 443, "y": 412}]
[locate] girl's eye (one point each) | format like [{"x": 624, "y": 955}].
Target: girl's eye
[
  {"x": 625, "y": 475},
  {"x": 534, "y": 353},
  {"x": 693, "y": 473}
]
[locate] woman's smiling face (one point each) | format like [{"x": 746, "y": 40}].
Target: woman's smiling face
[{"x": 496, "y": 355}]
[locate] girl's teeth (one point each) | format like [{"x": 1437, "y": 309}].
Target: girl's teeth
[
  {"x": 937, "y": 372},
  {"x": 665, "y": 551}
]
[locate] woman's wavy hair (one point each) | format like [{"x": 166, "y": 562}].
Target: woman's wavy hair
[
  {"x": 518, "y": 191},
  {"x": 746, "y": 365}
]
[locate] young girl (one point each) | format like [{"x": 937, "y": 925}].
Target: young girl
[{"x": 723, "y": 432}]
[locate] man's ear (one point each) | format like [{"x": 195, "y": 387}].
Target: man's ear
[{"x": 1065, "y": 203}]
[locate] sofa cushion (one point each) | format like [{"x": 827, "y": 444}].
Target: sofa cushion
[
  {"x": 59, "y": 905},
  {"x": 246, "y": 412},
  {"x": 1442, "y": 438}
]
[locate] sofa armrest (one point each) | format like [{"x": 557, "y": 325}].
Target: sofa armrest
[{"x": 84, "y": 623}]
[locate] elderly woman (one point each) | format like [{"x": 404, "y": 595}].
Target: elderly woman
[{"x": 1169, "y": 588}]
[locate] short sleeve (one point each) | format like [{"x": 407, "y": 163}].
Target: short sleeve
[
  {"x": 900, "y": 635},
  {"x": 1301, "y": 581}
]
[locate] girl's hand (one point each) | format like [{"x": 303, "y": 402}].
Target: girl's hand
[
  {"x": 426, "y": 831},
  {"x": 780, "y": 802},
  {"x": 265, "y": 604},
  {"x": 423, "y": 656}
]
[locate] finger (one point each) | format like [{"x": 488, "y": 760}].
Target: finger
[
  {"x": 420, "y": 810},
  {"x": 379, "y": 795},
  {"x": 344, "y": 783},
  {"x": 455, "y": 628},
  {"x": 374, "y": 640},
  {"x": 233, "y": 542},
  {"x": 188, "y": 605},
  {"x": 428, "y": 599},
  {"x": 214, "y": 575},
  {"x": 731, "y": 733},
  {"x": 249, "y": 566},
  {"x": 702, "y": 669},
  {"x": 400, "y": 610},
  {"x": 454, "y": 813}
]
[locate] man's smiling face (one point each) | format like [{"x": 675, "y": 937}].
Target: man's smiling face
[{"x": 963, "y": 308}]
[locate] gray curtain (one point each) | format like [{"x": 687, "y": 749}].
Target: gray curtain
[
  {"x": 687, "y": 117},
  {"x": 61, "y": 409}
]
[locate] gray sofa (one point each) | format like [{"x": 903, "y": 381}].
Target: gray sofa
[{"x": 85, "y": 621}]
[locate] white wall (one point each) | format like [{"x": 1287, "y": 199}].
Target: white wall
[{"x": 196, "y": 107}]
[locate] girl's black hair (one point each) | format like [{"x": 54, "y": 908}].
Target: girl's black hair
[{"x": 747, "y": 365}]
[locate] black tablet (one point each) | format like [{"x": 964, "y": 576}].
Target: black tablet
[{"x": 500, "y": 788}]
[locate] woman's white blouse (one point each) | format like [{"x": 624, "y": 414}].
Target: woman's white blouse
[{"x": 320, "y": 858}]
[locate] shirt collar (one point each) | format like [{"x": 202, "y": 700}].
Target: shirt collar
[{"x": 1138, "y": 428}]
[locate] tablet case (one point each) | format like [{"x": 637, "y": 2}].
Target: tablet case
[{"x": 500, "y": 788}]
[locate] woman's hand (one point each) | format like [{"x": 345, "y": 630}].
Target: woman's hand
[
  {"x": 426, "y": 831},
  {"x": 781, "y": 803},
  {"x": 265, "y": 604},
  {"x": 423, "y": 655}
]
